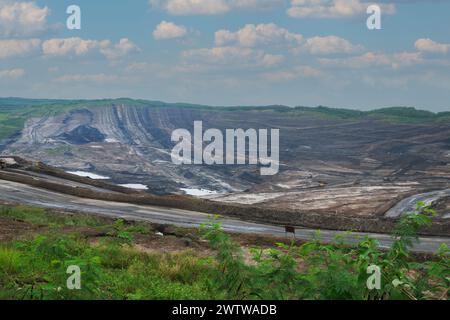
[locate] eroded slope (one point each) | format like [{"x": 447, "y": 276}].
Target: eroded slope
[{"x": 354, "y": 166}]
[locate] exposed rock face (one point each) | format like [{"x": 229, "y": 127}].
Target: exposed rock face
[
  {"x": 356, "y": 167},
  {"x": 82, "y": 135},
  {"x": 128, "y": 144}
]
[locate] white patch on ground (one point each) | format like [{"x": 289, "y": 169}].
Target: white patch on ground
[
  {"x": 161, "y": 161},
  {"x": 111, "y": 140},
  {"x": 136, "y": 186},
  {"x": 9, "y": 161},
  {"x": 88, "y": 175},
  {"x": 313, "y": 199},
  {"x": 198, "y": 192},
  {"x": 407, "y": 183},
  {"x": 252, "y": 198},
  {"x": 284, "y": 186}
]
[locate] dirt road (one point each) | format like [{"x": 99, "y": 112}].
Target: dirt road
[{"x": 20, "y": 193}]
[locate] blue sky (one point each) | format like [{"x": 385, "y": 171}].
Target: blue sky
[{"x": 230, "y": 52}]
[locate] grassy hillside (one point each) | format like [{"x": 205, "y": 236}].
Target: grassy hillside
[
  {"x": 120, "y": 260},
  {"x": 393, "y": 114},
  {"x": 15, "y": 111}
]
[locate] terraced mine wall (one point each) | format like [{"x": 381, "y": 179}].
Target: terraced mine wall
[{"x": 320, "y": 220}]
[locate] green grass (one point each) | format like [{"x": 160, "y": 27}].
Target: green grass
[
  {"x": 39, "y": 216},
  {"x": 36, "y": 269},
  {"x": 9, "y": 260},
  {"x": 34, "y": 266},
  {"x": 391, "y": 114}
]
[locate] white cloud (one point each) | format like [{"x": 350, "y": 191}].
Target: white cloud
[
  {"x": 430, "y": 46},
  {"x": 333, "y": 8},
  {"x": 119, "y": 50},
  {"x": 12, "y": 74},
  {"x": 66, "y": 47},
  {"x": 210, "y": 7},
  {"x": 14, "y": 48},
  {"x": 71, "y": 46},
  {"x": 169, "y": 30},
  {"x": 371, "y": 59},
  {"x": 331, "y": 45},
  {"x": 274, "y": 36},
  {"x": 262, "y": 34},
  {"x": 189, "y": 7},
  {"x": 22, "y": 18},
  {"x": 399, "y": 82},
  {"x": 292, "y": 74},
  {"x": 79, "y": 47},
  {"x": 233, "y": 56},
  {"x": 100, "y": 78},
  {"x": 269, "y": 60},
  {"x": 135, "y": 67}
]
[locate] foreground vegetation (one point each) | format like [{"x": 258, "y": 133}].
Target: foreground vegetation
[{"x": 34, "y": 265}]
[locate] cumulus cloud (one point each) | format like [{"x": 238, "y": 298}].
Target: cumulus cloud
[
  {"x": 233, "y": 55},
  {"x": 12, "y": 74},
  {"x": 330, "y": 45},
  {"x": 91, "y": 78},
  {"x": 262, "y": 34},
  {"x": 333, "y": 8},
  {"x": 119, "y": 50},
  {"x": 22, "y": 18},
  {"x": 14, "y": 48},
  {"x": 71, "y": 46},
  {"x": 371, "y": 59},
  {"x": 270, "y": 34},
  {"x": 210, "y": 7},
  {"x": 76, "y": 46},
  {"x": 292, "y": 74},
  {"x": 430, "y": 46},
  {"x": 189, "y": 7},
  {"x": 169, "y": 30},
  {"x": 65, "y": 47}
]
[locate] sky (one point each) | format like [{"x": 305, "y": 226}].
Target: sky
[{"x": 230, "y": 52}]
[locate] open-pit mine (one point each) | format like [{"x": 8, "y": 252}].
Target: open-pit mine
[{"x": 339, "y": 169}]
